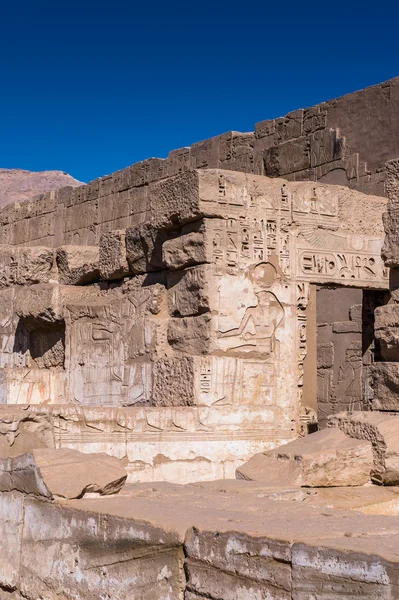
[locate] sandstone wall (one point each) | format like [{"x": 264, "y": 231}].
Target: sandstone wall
[{"x": 344, "y": 141}]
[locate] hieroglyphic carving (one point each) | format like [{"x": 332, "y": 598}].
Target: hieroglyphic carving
[{"x": 339, "y": 257}]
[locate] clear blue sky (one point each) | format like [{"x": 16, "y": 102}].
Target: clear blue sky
[{"x": 91, "y": 87}]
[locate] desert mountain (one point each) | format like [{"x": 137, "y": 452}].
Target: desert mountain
[{"x": 17, "y": 185}]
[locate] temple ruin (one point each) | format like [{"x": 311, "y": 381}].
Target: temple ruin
[{"x": 176, "y": 323}]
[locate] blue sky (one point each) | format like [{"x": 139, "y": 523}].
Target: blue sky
[{"x": 91, "y": 87}]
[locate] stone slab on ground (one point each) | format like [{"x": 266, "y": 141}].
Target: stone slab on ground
[
  {"x": 322, "y": 459},
  {"x": 239, "y": 543},
  {"x": 62, "y": 473},
  {"x": 381, "y": 430}
]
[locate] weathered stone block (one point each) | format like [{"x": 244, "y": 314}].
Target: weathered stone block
[
  {"x": 386, "y": 328},
  {"x": 22, "y": 431},
  {"x": 191, "y": 247},
  {"x": 382, "y": 431},
  {"x": 113, "y": 260},
  {"x": 62, "y": 473},
  {"x": 188, "y": 291},
  {"x": 144, "y": 248},
  {"x": 386, "y": 385},
  {"x": 26, "y": 266},
  {"x": 78, "y": 265},
  {"x": 45, "y": 303},
  {"x": 327, "y": 458},
  {"x": 270, "y": 471}
]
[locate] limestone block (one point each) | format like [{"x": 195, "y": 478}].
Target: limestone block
[
  {"x": 325, "y": 355},
  {"x": 174, "y": 382},
  {"x": 22, "y": 431},
  {"x": 327, "y": 458},
  {"x": 382, "y": 431},
  {"x": 45, "y": 303},
  {"x": 386, "y": 385},
  {"x": 188, "y": 291},
  {"x": 113, "y": 260},
  {"x": 386, "y": 329},
  {"x": 26, "y": 266},
  {"x": 291, "y": 156},
  {"x": 193, "y": 246},
  {"x": 266, "y": 469},
  {"x": 390, "y": 249},
  {"x": 144, "y": 248},
  {"x": 78, "y": 265},
  {"x": 11, "y": 525},
  {"x": 62, "y": 473},
  {"x": 191, "y": 335},
  {"x": 84, "y": 554}
]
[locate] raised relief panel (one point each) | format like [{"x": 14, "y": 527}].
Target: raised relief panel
[
  {"x": 340, "y": 257},
  {"x": 110, "y": 344}
]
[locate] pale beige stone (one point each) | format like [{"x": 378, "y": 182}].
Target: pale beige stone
[
  {"x": 26, "y": 266},
  {"x": 382, "y": 431},
  {"x": 323, "y": 459},
  {"x": 62, "y": 473},
  {"x": 78, "y": 265},
  {"x": 387, "y": 330},
  {"x": 22, "y": 431},
  {"x": 113, "y": 261}
]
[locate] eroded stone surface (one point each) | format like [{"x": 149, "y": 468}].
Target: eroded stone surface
[
  {"x": 382, "y": 431},
  {"x": 22, "y": 431},
  {"x": 62, "y": 473},
  {"x": 323, "y": 459},
  {"x": 246, "y": 541},
  {"x": 78, "y": 265}
]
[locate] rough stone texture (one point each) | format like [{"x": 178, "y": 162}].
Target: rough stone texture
[
  {"x": 179, "y": 444},
  {"x": 17, "y": 185},
  {"x": 213, "y": 314},
  {"x": 113, "y": 260},
  {"x": 386, "y": 386},
  {"x": 201, "y": 541},
  {"x": 22, "y": 431},
  {"x": 387, "y": 330},
  {"x": 78, "y": 265},
  {"x": 26, "y": 266},
  {"x": 270, "y": 471},
  {"x": 61, "y": 473},
  {"x": 382, "y": 431},
  {"x": 323, "y": 459}
]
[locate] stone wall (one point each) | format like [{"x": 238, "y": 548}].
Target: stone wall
[
  {"x": 334, "y": 142},
  {"x": 386, "y": 372}
]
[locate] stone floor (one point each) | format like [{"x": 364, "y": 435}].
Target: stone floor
[{"x": 221, "y": 540}]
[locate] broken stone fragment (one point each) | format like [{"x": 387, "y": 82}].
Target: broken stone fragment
[
  {"x": 78, "y": 265},
  {"x": 113, "y": 259},
  {"x": 382, "y": 431},
  {"x": 144, "y": 248},
  {"x": 266, "y": 469},
  {"x": 188, "y": 291},
  {"x": 386, "y": 385},
  {"x": 22, "y": 431},
  {"x": 26, "y": 266},
  {"x": 191, "y": 247},
  {"x": 327, "y": 458},
  {"x": 386, "y": 329},
  {"x": 45, "y": 303},
  {"x": 62, "y": 473}
]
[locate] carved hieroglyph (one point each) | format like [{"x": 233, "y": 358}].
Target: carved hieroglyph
[{"x": 203, "y": 304}]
